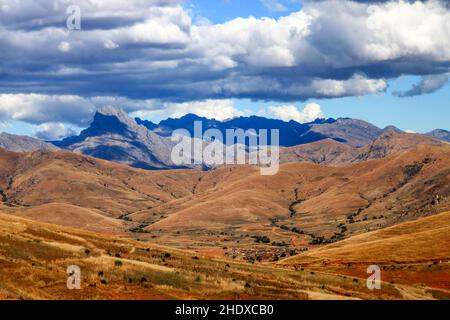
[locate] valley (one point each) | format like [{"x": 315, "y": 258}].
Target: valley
[{"x": 308, "y": 232}]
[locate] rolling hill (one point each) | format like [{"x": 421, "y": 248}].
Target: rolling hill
[
  {"x": 412, "y": 252},
  {"x": 34, "y": 258},
  {"x": 305, "y": 205},
  {"x": 225, "y": 230}
]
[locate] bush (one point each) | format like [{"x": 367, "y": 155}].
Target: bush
[
  {"x": 295, "y": 230},
  {"x": 118, "y": 263},
  {"x": 261, "y": 239}
]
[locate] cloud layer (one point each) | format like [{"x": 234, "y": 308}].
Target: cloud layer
[{"x": 150, "y": 54}]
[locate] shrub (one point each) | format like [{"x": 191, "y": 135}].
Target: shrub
[
  {"x": 261, "y": 239},
  {"x": 295, "y": 230}
]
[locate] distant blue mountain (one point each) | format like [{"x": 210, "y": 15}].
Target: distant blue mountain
[
  {"x": 114, "y": 136},
  {"x": 148, "y": 124},
  {"x": 292, "y": 133}
]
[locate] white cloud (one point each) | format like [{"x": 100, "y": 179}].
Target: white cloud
[
  {"x": 44, "y": 109},
  {"x": 109, "y": 44},
  {"x": 211, "y": 109},
  {"x": 311, "y": 112},
  {"x": 357, "y": 85},
  {"x": 326, "y": 50},
  {"x": 64, "y": 46},
  {"x": 38, "y": 108},
  {"x": 53, "y": 131}
]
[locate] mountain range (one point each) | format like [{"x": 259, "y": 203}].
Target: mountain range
[{"x": 114, "y": 136}]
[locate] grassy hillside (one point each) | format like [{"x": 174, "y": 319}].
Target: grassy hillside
[
  {"x": 415, "y": 253},
  {"x": 34, "y": 257}
]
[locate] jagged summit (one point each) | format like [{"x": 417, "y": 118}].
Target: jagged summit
[
  {"x": 118, "y": 113},
  {"x": 113, "y": 135}
]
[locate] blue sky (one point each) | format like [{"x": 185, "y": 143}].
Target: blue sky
[
  {"x": 220, "y": 11},
  {"x": 420, "y": 113},
  {"x": 354, "y": 59}
]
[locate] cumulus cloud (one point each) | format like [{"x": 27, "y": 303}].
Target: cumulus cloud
[
  {"x": 109, "y": 44},
  {"x": 40, "y": 109},
  {"x": 152, "y": 51},
  {"x": 311, "y": 112},
  {"x": 211, "y": 109},
  {"x": 64, "y": 46},
  {"x": 428, "y": 84},
  {"x": 51, "y": 111},
  {"x": 51, "y": 131}
]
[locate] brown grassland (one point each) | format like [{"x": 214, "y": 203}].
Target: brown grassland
[
  {"x": 34, "y": 257},
  {"x": 309, "y": 232}
]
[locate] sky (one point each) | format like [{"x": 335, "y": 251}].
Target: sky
[{"x": 386, "y": 62}]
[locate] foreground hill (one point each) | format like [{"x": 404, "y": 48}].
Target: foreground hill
[
  {"x": 425, "y": 240},
  {"x": 34, "y": 258},
  {"x": 412, "y": 252}
]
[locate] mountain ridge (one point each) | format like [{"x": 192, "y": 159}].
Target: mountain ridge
[
  {"x": 114, "y": 135},
  {"x": 19, "y": 143}
]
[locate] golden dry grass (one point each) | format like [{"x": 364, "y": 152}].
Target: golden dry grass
[{"x": 34, "y": 257}]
